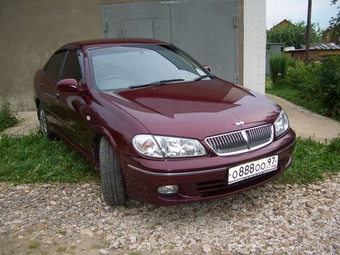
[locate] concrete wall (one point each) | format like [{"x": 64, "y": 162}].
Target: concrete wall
[
  {"x": 30, "y": 31},
  {"x": 254, "y": 48}
]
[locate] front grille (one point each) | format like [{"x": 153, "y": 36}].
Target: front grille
[{"x": 241, "y": 141}]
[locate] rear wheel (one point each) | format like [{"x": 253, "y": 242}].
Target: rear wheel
[
  {"x": 44, "y": 124},
  {"x": 111, "y": 176}
]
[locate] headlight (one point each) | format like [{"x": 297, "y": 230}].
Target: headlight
[
  {"x": 169, "y": 147},
  {"x": 146, "y": 145},
  {"x": 281, "y": 123}
]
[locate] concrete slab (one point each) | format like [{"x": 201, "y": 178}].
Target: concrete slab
[
  {"x": 28, "y": 123},
  {"x": 308, "y": 124}
]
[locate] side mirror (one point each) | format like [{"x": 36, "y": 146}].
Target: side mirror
[
  {"x": 68, "y": 85},
  {"x": 207, "y": 68}
]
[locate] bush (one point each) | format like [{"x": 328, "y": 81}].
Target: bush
[
  {"x": 6, "y": 118},
  {"x": 278, "y": 68},
  {"x": 329, "y": 86},
  {"x": 302, "y": 76},
  {"x": 315, "y": 86}
]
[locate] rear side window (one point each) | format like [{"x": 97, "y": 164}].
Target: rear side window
[
  {"x": 54, "y": 65},
  {"x": 72, "y": 67}
]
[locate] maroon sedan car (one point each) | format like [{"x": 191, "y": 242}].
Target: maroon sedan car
[{"x": 158, "y": 125}]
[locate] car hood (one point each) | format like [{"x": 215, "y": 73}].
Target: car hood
[{"x": 195, "y": 109}]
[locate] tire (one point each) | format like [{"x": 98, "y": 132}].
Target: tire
[
  {"x": 111, "y": 176},
  {"x": 44, "y": 124}
]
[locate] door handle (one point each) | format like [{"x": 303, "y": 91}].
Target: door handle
[
  {"x": 40, "y": 84},
  {"x": 56, "y": 95}
]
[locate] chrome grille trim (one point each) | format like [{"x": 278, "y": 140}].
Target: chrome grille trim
[{"x": 241, "y": 141}]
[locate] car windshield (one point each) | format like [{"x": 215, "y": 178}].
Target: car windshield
[{"x": 122, "y": 67}]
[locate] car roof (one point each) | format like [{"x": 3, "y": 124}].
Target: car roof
[{"x": 108, "y": 42}]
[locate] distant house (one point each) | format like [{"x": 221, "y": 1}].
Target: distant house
[
  {"x": 331, "y": 35},
  {"x": 317, "y": 51},
  {"x": 283, "y": 23}
]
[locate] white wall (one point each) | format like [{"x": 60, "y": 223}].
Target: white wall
[{"x": 254, "y": 45}]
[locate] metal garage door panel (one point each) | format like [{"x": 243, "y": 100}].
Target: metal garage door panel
[
  {"x": 145, "y": 28},
  {"x": 137, "y": 28},
  {"x": 140, "y": 19},
  {"x": 205, "y": 29}
]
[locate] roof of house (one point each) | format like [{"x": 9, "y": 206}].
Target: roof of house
[
  {"x": 315, "y": 46},
  {"x": 283, "y": 23},
  {"x": 323, "y": 46}
]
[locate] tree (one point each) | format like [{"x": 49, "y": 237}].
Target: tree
[
  {"x": 294, "y": 34},
  {"x": 334, "y": 23}
]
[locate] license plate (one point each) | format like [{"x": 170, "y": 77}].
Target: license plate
[{"x": 252, "y": 169}]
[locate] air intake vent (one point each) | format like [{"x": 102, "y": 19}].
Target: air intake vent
[{"x": 241, "y": 141}]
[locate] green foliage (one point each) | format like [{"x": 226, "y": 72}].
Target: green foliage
[
  {"x": 293, "y": 35},
  {"x": 302, "y": 76},
  {"x": 329, "y": 86},
  {"x": 312, "y": 161},
  {"x": 35, "y": 159},
  {"x": 61, "y": 249},
  {"x": 6, "y": 118},
  {"x": 334, "y": 23},
  {"x": 278, "y": 68},
  {"x": 315, "y": 86},
  {"x": 334, "y": 146},
  {"x": 34, "y": 245}
]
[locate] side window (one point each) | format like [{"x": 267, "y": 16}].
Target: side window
[
  {"x": 72, "y": 67},
  {"x": 53, "y": 67}
]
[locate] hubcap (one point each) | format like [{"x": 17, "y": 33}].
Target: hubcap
[{"x": 43, "y": 122}]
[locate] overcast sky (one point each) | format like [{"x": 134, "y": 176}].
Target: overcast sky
[{"x": 296, "y": 11}]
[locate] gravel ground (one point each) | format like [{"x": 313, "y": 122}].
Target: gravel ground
[{"x": 73, "y": 219}]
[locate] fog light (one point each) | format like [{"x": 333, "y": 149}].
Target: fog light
[{"x": 168, "y": 190}]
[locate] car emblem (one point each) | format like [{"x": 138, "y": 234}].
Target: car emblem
[
  {"x": 246, "y": 138},
  {"x": 240, "y": 123}
]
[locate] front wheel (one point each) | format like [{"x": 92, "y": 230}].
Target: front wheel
[
  {"x": 111, "y": 176},
  {"x": 44, "y": 124}
]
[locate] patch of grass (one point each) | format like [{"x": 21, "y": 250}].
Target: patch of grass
[
  {"x": 34, "y": 245},
  {"x": 6, "y": 118},
  {"x": 35, "y": 159},
  {"x": 30, "y": 231},
  {"x": 312, "y": 161},
  {"x": 61, "y": 249},
  {"x": 296, "y": 97},
  {"x": 63, "y": 233}
]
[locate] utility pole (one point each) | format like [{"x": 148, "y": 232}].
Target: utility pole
[{"x": 309, "y": 17}]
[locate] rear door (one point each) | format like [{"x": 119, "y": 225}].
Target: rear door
[{"x": 48, "y": 82}]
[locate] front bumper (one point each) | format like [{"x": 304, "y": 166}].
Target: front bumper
[{"x": 200, "y": 179}]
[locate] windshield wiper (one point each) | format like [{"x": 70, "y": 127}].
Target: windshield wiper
[
  {"x": 201, "y": 77},
  {"x": 155, "y": 83}
]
